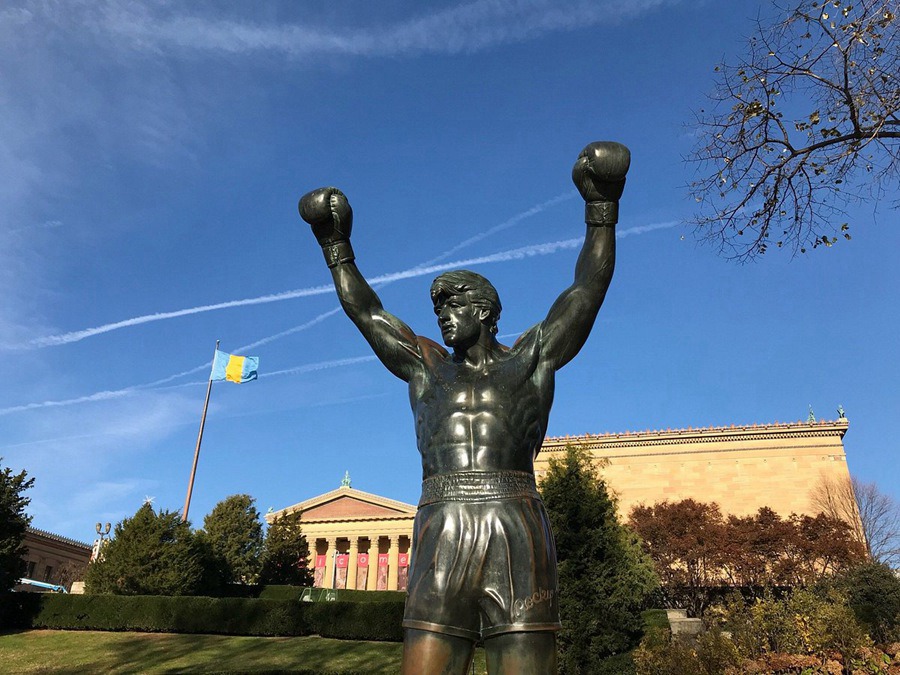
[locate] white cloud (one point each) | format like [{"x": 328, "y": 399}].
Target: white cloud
[
  {"x": 69, "y": 454},
  {"x": 462, "y": 28}
]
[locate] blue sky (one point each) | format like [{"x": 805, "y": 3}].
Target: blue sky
[{"x": 151, "y": 158}]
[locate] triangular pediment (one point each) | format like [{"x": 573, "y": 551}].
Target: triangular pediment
[
  {"x": 349, "y": 507},
  {"x": 347, "y": 503}
]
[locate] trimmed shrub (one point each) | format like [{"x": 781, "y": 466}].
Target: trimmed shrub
[
  {"x": 370, "y": 596},
  {"x": 358, "y": 620},
  {"x": 281, "y": 592},
  {"x": 285, "y": 592},
  {"x": 17, "y": 610},
  {"x": 189, "y": 614},
  {"x": 171, "y": 614}
]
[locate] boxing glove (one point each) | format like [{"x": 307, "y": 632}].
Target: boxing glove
[
  {"x": 599, "y": 175},
  {"x": 329, "y": 214}
]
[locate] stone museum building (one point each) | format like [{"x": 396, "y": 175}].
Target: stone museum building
[
  {"x": 54, "y": 559},
  {"x": 361, "y": 540},
  {"x": 357, "y": 540}
]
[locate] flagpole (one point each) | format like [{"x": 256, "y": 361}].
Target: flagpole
[{"x": 187, "y": 501}]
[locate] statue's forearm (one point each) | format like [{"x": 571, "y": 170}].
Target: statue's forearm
[
  {"x": 357, "y": 297},
  {"x": 597, "y": 259}
]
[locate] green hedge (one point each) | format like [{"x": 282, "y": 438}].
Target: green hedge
[
  {"x": 17, "y": 609},
  {"x": 274, "y": 592},
  {"x": 281, "y": 592},
  {"x": 188, "y": 614},
  {"x": 370, "y": 596},
  {"x": 358, "y": 620}
]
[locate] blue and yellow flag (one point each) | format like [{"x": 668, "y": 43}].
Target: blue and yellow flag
[{"x": 234, "y": 368}]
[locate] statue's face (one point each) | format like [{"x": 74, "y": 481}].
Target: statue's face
[{"x": 460, "y": 321}]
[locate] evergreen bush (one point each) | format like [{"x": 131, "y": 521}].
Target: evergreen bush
[
  {"x": 605, "y": 578},
  {"x": 358, "y": 620},
  {"x": 193, "y": 614},
  {"x": 18, "y": 609},
  {"x": 151, "y": 554},
  {"x": 13, "y": 523},
  {"x": 873, "y": 591}
]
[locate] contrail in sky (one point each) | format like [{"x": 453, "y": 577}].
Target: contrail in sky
[
  {"x": 422, "y": 270},
  {"x": 311, "y": 367},
  {"x": 128, "y": 391},
  {"x": 158, "y": 384},
  {"x": 99, "y": 396},
  {"x": 512, "y": 254},
  {"x": 243, "y": 348},
  {"x": 505, "y": 225}
]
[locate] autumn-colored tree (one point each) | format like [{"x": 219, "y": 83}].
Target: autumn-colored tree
[
  {"x": 820, "y": 547},
  {"x": 752, "y": 546},
  {"x": 686, "y": 541},
  {"x": 695, "y": 549}
]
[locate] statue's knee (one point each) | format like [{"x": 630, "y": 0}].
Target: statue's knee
[
  {"x": 425, "y": 652},
  {"x": 522, "y": 653}
]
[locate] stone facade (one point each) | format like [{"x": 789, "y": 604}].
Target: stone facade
[
  {"x": 54, "y": 559},
  {"x": 361, "y": 540},
  {"x": 741, "y": 468},
  {"x": 357, "y": 540}
]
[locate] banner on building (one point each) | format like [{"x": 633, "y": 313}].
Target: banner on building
[
  {"x": 319, "y": 575},
  {"x": 340, "y": 570},
  {"x": 362, "y": 571},
  {"x": 382, "y": 571}
]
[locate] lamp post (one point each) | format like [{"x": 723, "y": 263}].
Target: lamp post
[{"x": 102, "y": 531}]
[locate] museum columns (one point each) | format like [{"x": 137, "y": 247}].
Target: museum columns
[
  {"x": 352, "y": 562},
  {"x": 330, "y": 550},
  {"x": 393, "y": 562},
  {"x": 372, "y": 578}
]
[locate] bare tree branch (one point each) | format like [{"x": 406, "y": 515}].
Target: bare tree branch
[
  {"x": 877, "y": 515},
  {"x": 799, "y": 129}
]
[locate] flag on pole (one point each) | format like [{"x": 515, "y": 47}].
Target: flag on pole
[{"x": 234, "y": 368}]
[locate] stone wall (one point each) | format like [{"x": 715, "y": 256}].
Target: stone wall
[{"x": 739, "y": 467}]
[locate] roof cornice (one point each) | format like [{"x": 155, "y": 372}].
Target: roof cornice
[
  {"x": 747, "y": 432},
  {"x": 58, "y": 538}
]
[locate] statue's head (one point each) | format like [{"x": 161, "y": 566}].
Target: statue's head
[{"x": 473, "y": 287}]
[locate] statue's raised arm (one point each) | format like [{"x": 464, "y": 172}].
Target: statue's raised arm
[
  {"x": 394, "y": 343},
  {"x": 599, "y": 175}
]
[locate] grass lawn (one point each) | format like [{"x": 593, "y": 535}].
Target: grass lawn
[{"x": 57, "y": 651}]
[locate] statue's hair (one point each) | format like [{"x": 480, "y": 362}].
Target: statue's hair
[{"x": 478, "y": 290}]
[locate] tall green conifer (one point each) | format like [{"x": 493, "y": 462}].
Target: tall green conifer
[
  {"x": 13, "y": 522},
  {"x": 150, "y": 554},
  {"x": 604, "y": 577}
]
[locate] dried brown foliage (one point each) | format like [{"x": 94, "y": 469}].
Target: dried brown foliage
[
  {"x": 805, "y": 124},
  {"x": 695, "y": 548}
]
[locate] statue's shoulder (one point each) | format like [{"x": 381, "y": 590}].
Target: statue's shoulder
[
  {"x": 431, "y": 349},
  {"x": 529, "y": 340},
  {"x": 528, "y": 346}
]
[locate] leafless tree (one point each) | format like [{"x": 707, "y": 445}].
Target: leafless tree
[
  {"x": 877, "y": 514},
  {"x": 806, "y": 124}
]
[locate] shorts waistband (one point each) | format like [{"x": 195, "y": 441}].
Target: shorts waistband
[{"x": 476, "y": 486}]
